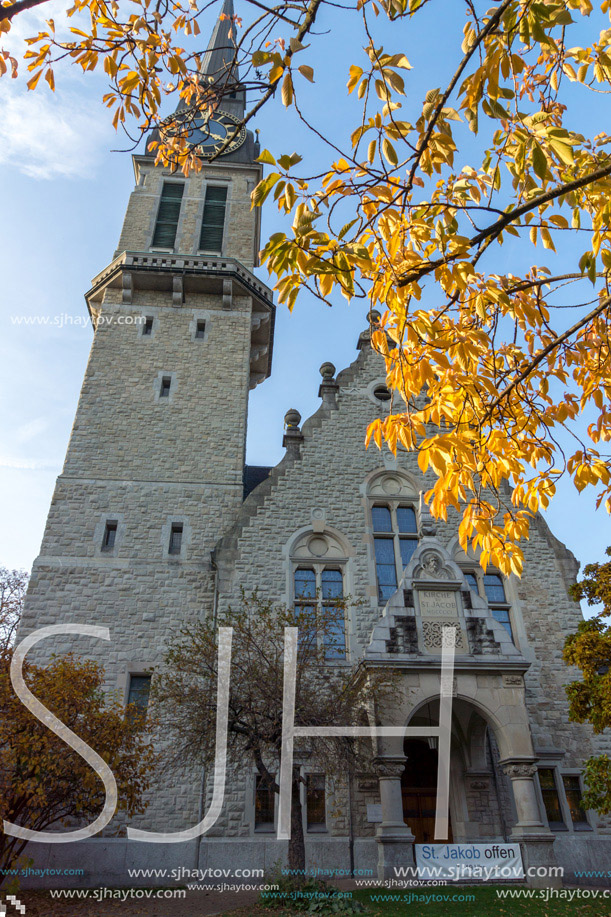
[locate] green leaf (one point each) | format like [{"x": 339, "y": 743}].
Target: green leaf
[
  {"x": 346, "y": 228},
  {"x": 563, "y": 151},
  {"x": 261, "y": 57},
  {"x": 287, "y": 161},
  {"x": 539, "y": 162},
  {"x": 389, "y": 152},
  {"x": 263, "y": 188}
]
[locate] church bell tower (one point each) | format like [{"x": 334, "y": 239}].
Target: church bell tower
[{"x": 153, "y": 472}]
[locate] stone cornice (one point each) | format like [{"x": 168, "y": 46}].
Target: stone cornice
[
  {"x": 472, "y": 664},
  {"x": 186, "y": 265},
  {"x": 180, "y": 274}
]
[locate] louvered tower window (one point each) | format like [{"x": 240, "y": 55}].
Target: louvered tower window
[
  {"x": 213, "y": 220},
  {"x": 167, "y": 216}
]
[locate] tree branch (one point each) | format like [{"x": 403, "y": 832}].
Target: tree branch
[
  {"x": 543, "y": 353},
  {"x": 308, "y": 22},
  {"x": 7, "y": 12},
  {"x": 489, "y": 27},
  {"x": 509, "y": 217}
]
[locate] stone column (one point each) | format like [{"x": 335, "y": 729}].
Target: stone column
[
  {"x": 394, "y": 837},
  {"x": 536, "y": 841}
]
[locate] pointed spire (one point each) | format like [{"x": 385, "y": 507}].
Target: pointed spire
[{"x": 219, "y": 56}]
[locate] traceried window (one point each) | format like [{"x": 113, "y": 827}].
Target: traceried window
[
  {"x": 168, "y": 214},
  {"x": 395, "y": 538},
  {"x": 491, "y": 587},
  {"x": 213, "y": 220},
  {"x": 318, "y": 589}
]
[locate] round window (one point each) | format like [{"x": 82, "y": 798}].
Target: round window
[{"x": 381, "y": 393}]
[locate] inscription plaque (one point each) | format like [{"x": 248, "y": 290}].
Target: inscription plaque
[{"x": 435, "y": 602}]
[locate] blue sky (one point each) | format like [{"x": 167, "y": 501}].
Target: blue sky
[{"x": 64, "y": 195}]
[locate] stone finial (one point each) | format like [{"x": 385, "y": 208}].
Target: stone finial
[
  {"x": 373, "y": 317},
  {"x": 292, "y": 419},
  {"x": 293, "y": 437},
  {"x": 328, "y": 387}
]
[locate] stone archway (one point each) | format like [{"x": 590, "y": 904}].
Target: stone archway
[
  {"x": 480, "y": 808},
  {"x": 482, "y": 702}
]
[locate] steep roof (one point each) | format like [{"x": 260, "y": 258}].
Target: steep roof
[{"x": 219, "y": 55}]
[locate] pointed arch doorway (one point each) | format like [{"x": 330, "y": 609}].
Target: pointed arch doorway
[{"x": 419, "y": 790}]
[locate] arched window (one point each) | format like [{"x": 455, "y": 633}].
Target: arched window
[
  {"x": 395, "y": 538},
  {"x": 318, "y": 590}
]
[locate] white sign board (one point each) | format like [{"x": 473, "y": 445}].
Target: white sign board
[{"x": 493, "y": 862}]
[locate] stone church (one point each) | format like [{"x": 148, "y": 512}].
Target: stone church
[{"x": 156, "y": 520}]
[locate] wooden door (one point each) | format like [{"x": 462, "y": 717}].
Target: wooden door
[{"x": 419, "y": 791}]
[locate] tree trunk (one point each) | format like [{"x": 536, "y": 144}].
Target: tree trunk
[{"x": 296, "y": 843}]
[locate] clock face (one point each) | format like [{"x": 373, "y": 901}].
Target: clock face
[{"x": 204, "y": 133}]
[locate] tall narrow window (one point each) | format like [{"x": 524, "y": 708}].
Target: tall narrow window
[
  {"x": 265, "y": 803},
  {"x": 175, "y": 538},
  {"x": 213, "y": 220},
  {"x": 305, "y": 603},
  {"x": 551, "y": 799},
  {"x": 110, "y": 536},
  {"x": 168, "y": 214},
  {"x": 317, "y": 593},
  {"x": 495, "y": 593},
  {"x": 315, "y": 802},
  {"x": 491, "y": 586},
  {"x": 138, "y": 694},
  {"x": 147, "y": 327},
  {"x": 572, "y": 789},
  {"x": 200, "y": 330},
  {"x": 395, "y": 538},
  {"x": 332, "y": 590},
  {"x": 166, "y": 384}
]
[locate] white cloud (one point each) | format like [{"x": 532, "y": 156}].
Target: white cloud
[
  {"x": 30, "y": 22},
  {"x": 48, "y": 135}
]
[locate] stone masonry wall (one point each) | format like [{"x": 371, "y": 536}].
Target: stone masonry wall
[
  {"x": 326, "y": 482},
  {"x": 241, "y": 224},
  {"x": 146, "y": 462}
]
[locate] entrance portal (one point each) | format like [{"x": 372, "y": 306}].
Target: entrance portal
[{"x": 419, "y": 790}]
